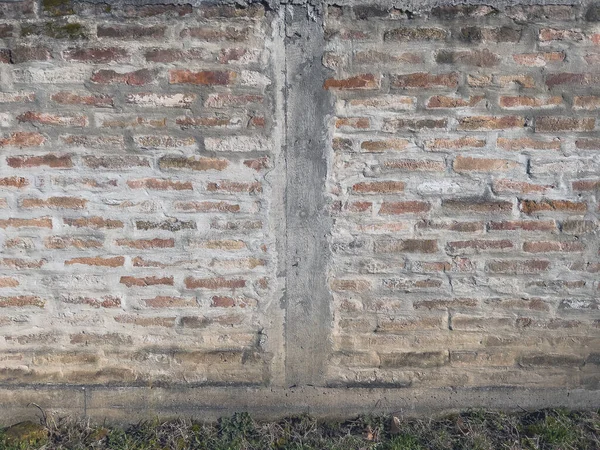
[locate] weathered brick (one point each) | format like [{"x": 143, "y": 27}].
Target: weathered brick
[
  {"x": 406, "y": 246},
  {"x": 142, "y": 244},
  {"x": 16, "y": 182},
  {"x": 210, "y": 34},
  {"x": 145, "y": 281},
  {"x": 424, "y": 80},
  {"x": 130, "y": 31},
  {"x": 115, "y": 162},
  {"x": 378, "y": 187},
  {"x": 405, "y": 207},
  {"x": 75, "y": 98},
  {"x": 382, "y": 145},
  {"x": 206, "y": 78},
  {"x": 23, "y": 54},
  {"x": 478, "y": 58},
  {"x": 524, "y": 225},
  {"x": 552, "y": 246},
  {"x": 540, "y": 59},
  {"x": 393, "y": 125},
  {"x": 41, "y": 222},
  {"x": 490, "y": 123},
  {"x": 160, "y": 184},
  {"x": 440, "y": 144},
  {"x": 442, "y": 101},
  {"x": 171, "y": 224},
  {"x": 490, "y": 34},
  {"x": 54, "y": 202},
  {"x": 170, "y": 55},
  {"x": 524, "y": 81},
  {"x": 192, "y": 163},
  {"x": 62, "y": 242},
  {"x": 535, "y": 206},
  {"x": 19, "y": 301},
  {"x": 467, "y": 163},
  {"x": 406, "y": 34},
  {"x": 504, "y": 186},
  {"x": 415, "y": 165},
  {"x": 553, "y": 34},
  {"x": 49, "y": 160},
  {"x": 521, "y": 102},
  {"x": 528, "y": 144},
  {"x": 53, "y": 119},
  {"x": 554, "y": 124},
  {"x": 116, "y": 261},
  {"x": 93, "y": 222},
  {"x": 365, "y": 81},
  {"x": 234, "y": 187},
  {"x": 139, "y": 77},
  {"x": 99, "y": 55},
  {"x": 477, "y": 205},
  {"x": 214, "y": 283}
]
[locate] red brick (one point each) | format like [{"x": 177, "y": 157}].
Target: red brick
[
  {"x": 49, "y": 160},
  {"x": 392, "y": 125},
  {"x": 6, "y": 30},
  {"x": 552, "y": 34},
  {"x": 552, "y": 246},
  {"x": 145, "y": 281},
  {"x": 142, "y": 244},
  {"x": 577, "y": 79},
  {"x": 100, "y": 55},
  {"x": 8, "y": 282},
  {"x": 405, "y": 207},
  {"x": 528, "y": 144},
  {"x": 41, "y": 222},
  {"x": 588, "y": 102},
  {"x": 467, "y": 163},
  {"x": 116, "y": 261},
  {"x": 424, "y": 80},
  {"x": 250, "y": 11},
  {"x": 103, "y": 302},
  {"x": 442, "y": 101},
  {"x": 170, "y": 302},
  {"x": 365, "y": 81},
  {"x": 20, "y": 263},
  {"x": 192, "y": 163},
  {"x": 139, "y": 77},
  {"x": 540, "y": 59},
  {"x": 516, "y": 102},
  {"x": 384, "y": 144},
  {"x": 524, "y": 81},
  {"x": 146, "y": 321},
  {"x": 416, "y": 165},
  {"x": 73, "y": 98},
  {"x": 16, "y": 182},
  {"x": 535, "y": 206},
  {"x": 379, "y": 187},
  {"x": 22, "y": 54},
  {"x": 234, "y": 187},
  {"x": 130, "y": 31},
  {"x": 553, "y": 124},
  {"x": 117, "y": 121},
  {"x": 19, "y": 301},
  {"x": 461, "y": 227},
  {"x": 490, "y": 123},
  {"x": 54, "y": 202},
  {"x": 53, "y": 119},
  {"x": 160, "y": 184},
  {"x": 214, "y": 283},
  {"x": 93, "y": 222},
  {"x": 359, "y": 123},
  {"x": 205, "y": 77}
]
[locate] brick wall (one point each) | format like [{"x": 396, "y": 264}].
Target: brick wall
[{"x": 145, "y": 166}]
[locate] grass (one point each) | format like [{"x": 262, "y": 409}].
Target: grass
[{"x": 471, "y": 430}]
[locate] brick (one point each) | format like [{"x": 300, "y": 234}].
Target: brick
[
  {"x": 233, "y": 187},
  {"x": 554, "y": 124},
  {"x": 477, "y": 205},
  {"x": 192, "y": 163},
  {"x": 388, "y": 102},
  {"x": 19, "y": 301},
  {"x": 492, "y": 34},
  {"x": 524, "y": 102},
  {"x": 205, "y": 77},
  {"x": 504, "y": 186},
  {"x": 536, "y": 206},
  {"x": 115, "y": 162},
  {"x": 589, "y": 102},
  {"x": 414, "y": 359},
  {"x": 462, "y": 227},
  {"x": 223, "y": 244},
  {"x": 145, "y": 281},
  {"x": 146, "y": 321},
  {"x": 53, "y": 119},
  {"x": 93, "y": 222},
  {"x": 405, "y": 207},
  {"x": 530, "y": 13},
  {"x": 575, "y": 79},
  {"x": 143, "y": 244},
  {"x": 552, "y": 246},
  {"x": 442, "y": 101},
  {"x": 364, "y": 81},
  {"x": 477, "y": 58},
  {"x": 207, "y": 206},
  {"x": 131, "y": 32},
  {"x": 490, "y": 123},
  {"x": 394, "y": 125},
  {"x": 415, "y": 165},
  {"x": 164, "y": 142},
  {"x": 148, "y": 99},
  {"x": 62, "y": 242},
  {"x": 99, "y": 55},
  {"x": 384, "y": 144},
  {"x": 518, "y": 144},
  {"x": 369, "y": 57},
  {"x": 126, "y": 121},
  {"x": 41, "y": 222},
  {"x": 171, "y": 224},
  {"x": 477, "y": 80},
  {"x": 379, "y": 187},
  {"x": 6, "y": 30},
  {"x": 170, "y": 302},
  {"x": 75, "y": 98},
  {"x": 221, "y": 100},
  {"x": 552, "y": 34},
  {"x": 16, "y": 182},
  {"x": 210, "y": 34},
  {"x": 214, "y": 283},
  {"x": 54, "y": 202},
  {"x": 350, "y": 285},
  {"x": 211, "y": 121},
  {"x": 467, "y": 163},
  {"x": 445, "y": 303},
  {"x": 359, "y": 123},
  {"x": 540, "y": 59},
  {"x": 107, "y": 301},
  {"x": 477, "y": 245},
  {"x": 453, "y": 11},
  {"x": 116, "y": 261},
  {"x": 23, "y": 54},
  {"x": 17, "y": 97},
  {"x": 406, "y": 34},
  {"x": 578, "y": 227},
  {"x": 587, "y": 144},
  {"x": 170, "y": 55},
  {"x": 6, "y": 282},
  {"x": 139, "y": 77},
  {"x": 48, "y": 160},
  {"x": 20, "y": 263},
  {"x": 440, "y": 144},
  {"x": 406, "y": 246},
  {"x": 160, "y": 184},
  {"x": 524, "y": 81},
  {"x": 424, "y": 80}
]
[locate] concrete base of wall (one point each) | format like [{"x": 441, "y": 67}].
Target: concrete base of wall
[{"x": 131, "y": 404}]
